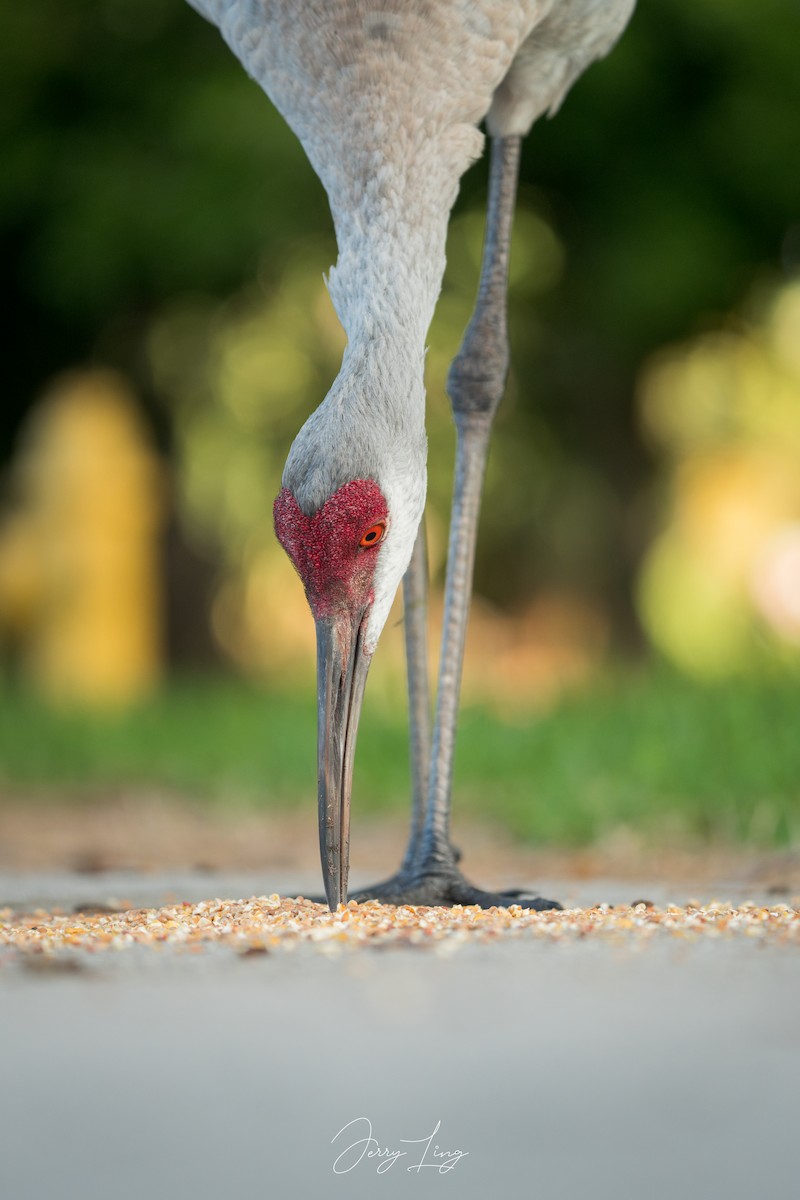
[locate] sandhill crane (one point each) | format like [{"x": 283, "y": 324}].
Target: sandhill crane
[{"x": 386, "y": 101}]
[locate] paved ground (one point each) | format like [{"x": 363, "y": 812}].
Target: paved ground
[{"x": 568, "y": 1070}]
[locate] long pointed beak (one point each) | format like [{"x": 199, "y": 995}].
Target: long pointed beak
[{"x": 342, "y": 668}]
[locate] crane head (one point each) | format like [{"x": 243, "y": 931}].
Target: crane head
[{"x": 350, "y": 556}]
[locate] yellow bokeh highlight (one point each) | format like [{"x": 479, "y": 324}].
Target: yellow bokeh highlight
[
  {"x": 718, "y": 589},
  {"x": 80, "y": 571}
]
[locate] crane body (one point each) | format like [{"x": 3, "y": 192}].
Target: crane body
[{"x": 387, "y": 104}]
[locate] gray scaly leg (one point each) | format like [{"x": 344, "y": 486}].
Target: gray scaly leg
[
  {"x": 415, "y": 627},
  {"x": 415, "y": 609}
]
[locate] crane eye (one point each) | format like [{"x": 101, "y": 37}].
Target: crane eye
[{"x": 373, "y": 535}]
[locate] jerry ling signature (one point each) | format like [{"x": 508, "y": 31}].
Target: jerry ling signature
[{"x": 365, "y": 1146}]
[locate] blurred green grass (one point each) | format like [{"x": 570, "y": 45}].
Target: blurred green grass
[{"x": 661, "y": 755}]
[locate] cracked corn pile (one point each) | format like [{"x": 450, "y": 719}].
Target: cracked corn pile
[{"x": 267, "y": 923}]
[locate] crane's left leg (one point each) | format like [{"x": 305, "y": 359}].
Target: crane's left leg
[{"x": 430, "y": 873}]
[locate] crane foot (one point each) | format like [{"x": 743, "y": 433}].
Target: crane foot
[{"x": 446, "y": 889}]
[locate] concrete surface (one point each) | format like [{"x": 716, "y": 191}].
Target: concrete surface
[{"x": 560, "y": 1071}]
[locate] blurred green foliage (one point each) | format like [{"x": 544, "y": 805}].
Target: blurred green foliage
[
  {"x": 157, "y": 215},
  {"x": 652, "y": 752},
  {"x": 142, "y": 167}
]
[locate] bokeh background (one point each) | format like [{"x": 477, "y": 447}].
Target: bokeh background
[{"x": 634, "y": 657}]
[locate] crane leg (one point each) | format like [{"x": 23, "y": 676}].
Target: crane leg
[
  {"x": 476, "y": 383},
  {"x": 415, "y": 628}
]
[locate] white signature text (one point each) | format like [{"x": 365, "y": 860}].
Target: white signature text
[{"x": 362, "y": 1145}]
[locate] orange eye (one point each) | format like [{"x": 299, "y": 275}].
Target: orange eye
[{"x": 373, "y": 535}]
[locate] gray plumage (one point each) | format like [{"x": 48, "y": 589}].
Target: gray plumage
[{"x": 386, "y": 104}]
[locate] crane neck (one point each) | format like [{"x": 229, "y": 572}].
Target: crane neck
[
  {"x": 391, "y": 232},
  {"x": 388, "y": 279}
]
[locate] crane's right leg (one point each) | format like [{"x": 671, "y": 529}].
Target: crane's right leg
[
  {"x": 415, "y": 625},
  {"x": 415, "y": 629}
]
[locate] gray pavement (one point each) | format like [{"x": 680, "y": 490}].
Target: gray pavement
[{"x": 561, "y": 1071}]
